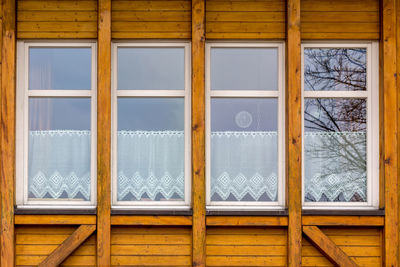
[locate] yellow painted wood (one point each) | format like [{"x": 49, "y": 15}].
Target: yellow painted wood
[{"x": 55, "y": 219}]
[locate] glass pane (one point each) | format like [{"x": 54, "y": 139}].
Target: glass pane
[
  {"x": 151, "y": 149},
  {"x": 60, "y": 68},
  {"x": 244, "y": 68},
  {"x": 335, "y": 69},
  {"x": 244, "y": 149},
  {"x": 335, "y": 163},
  {"x": 151, "y": 68},
  {"x": 59, "y": 149}
]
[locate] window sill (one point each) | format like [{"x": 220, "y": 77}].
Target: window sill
[
  {"x": 185, "y": 212},
  {"x": 247, "y": 212},
  {"x": 54, "y": 210}
]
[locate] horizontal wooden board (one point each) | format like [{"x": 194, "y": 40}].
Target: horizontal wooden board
[
  {"x": 339, "y": 16},
  {"x": 227, "y": 5},
  {"x": 56, "y": 35},
  {"x": 63, "y": 16},
  {"x": 152, "y": 5},
  {"x": 246, "y": 261},
  {"x": 151, "y": 35},
  {"x": 339, "y": 5},
  {"x": 153, "y": 250},
  {"x": 246, "y": 250},
  {"x": 57, "y": 5},
  {"x": 46, "y": 26},
  {"x": 70, "y": 261},
  {"x": 158, "y": 261},
  {"x": 55, "y": 219},
  {"x": 246, "y": 221},
  {"x": 244, "y": 16},
  {"x": 84, "y": 250},
  {"x": 244, "y": 35},
  {"x": 344, "y": 220},
  {"x": 143, "y": 16}
]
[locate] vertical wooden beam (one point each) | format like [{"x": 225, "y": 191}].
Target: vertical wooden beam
[
  {"x": 104, "y": 134},
  {"x": 198, "y": 133},
  {"x": 293, "y": 132},
  {"x": 7, "y": 136},
  {"x": 390, "y": 114}
]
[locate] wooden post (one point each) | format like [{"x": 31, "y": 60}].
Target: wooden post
[
  {"x": 7, "y": 136},
  {"x": 390, "y": 114},
  {"x": 293, "y": 134},
  {"x": 198, "y": 133},
  {"x": 104, "y": 134}
]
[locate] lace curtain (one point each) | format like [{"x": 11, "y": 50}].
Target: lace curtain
[{"x": 243, "y": 165}]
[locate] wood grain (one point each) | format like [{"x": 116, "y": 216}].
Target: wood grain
[
  {"x": 293, "y": 134},
  {"x": 344, "y": 220},
  {"x": 68, "y": 246},
  {"x": 104, "y": 134},
  {"x": 246, "y": 221},
  {"x": 151, "y": 220},
  {"x": 7, "y": 134},
  {"x": 54, "y": 219},
  {"x": 328, "y": 247},
  {"x": 390, "y": 132},
  {"x": 198, "y": 134}
]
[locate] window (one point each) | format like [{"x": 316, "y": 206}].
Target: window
[
  {"x": 340, "y": 118},
  {"x": 56, "y": 124},
  {"x": 245, "y": 125},
  {"x": 151, "y": 125}
]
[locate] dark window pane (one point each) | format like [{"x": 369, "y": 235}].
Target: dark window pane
[
  {"x": 335, "y": 69},
  {"x": 335, "y": 150},
  {"x": 244, "y": 149}
]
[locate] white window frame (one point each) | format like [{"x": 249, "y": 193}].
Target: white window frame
[
  {"x": 371, "y": 95},
  {"x": 185, "y": 94},
  {"x": 278, "y": 94},
  {"x": 22, "y": 124}
]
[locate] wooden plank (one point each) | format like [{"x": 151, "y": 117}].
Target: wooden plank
[
  {"x": 151, "y": 35},
  {"x": 245, "y": 35},
  {"x": 151, "y": 220},
  {"x": 79, "y": 261},
  {"x": 151, "y": 261},
  {"x": 246, "y": 221},
  {"x": 340, "y": 36},
  {"x": 255, "y": 240},
  {"x": 261, "y": 16},
  {"x": 340, "y": 5},
  {"x": 328, "y": 27},
  {"x": 151, "y": 250},
  {"x": 246, "y": 250},
  {"x": 7, "y": 133},
  {"x": 249, "y": 6},
  {"x": 153, "y": 5},
  {"x": 245, "y": 261},
  {"x": 57, "y": 5},
  {"x": 44, "y": 250},
  {"x": 340, "y": 16},
  {"x": 65, "y": 16},
  {"x": 390, "y": 123},
  {"x": 69, "y": 245},
  {"x": 344, "y": 220},
  {"x": 293, "y": 132},
  {"x": 55, "y": 219},
  {"x": 198, "y": 135},
  {"x": 104, "y": 134},
  {"x": 353, "y": 251},
  {"x": 56, "y": 35},
  {"x": 245, "y": 27},
  {"x": 142, "y": 16},
  {"x": 149, "y": 239},
  {"x": 40, "y": 239},
  {"x": 328, "y": 247},
  {"x": 179, "y": 26},
  {"x": 57, "y": 27}
]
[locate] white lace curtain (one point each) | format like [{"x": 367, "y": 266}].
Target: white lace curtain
[{"x": 243, "y": 165}]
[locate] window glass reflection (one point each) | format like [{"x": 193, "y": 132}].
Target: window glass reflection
[{"x": 335, "y": 69}]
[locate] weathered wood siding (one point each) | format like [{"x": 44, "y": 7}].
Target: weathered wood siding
[
  {"x": 254, "y": 19},
  {"x": 340, "y": 19},
  {"x": 56, "y": 19},
  {"x": 363, "y": 245},
  {"x": 246, "y": 246},
  {"x": 34, "y": 243},
  {"x": 151, "y": 19},
  {"x": 150, "y": 246}
]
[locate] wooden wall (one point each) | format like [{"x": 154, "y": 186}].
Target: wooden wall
[{"x": 200, "y": 239}]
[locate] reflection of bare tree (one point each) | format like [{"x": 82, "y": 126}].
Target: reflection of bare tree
[{"x": 341, "y": 147}]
